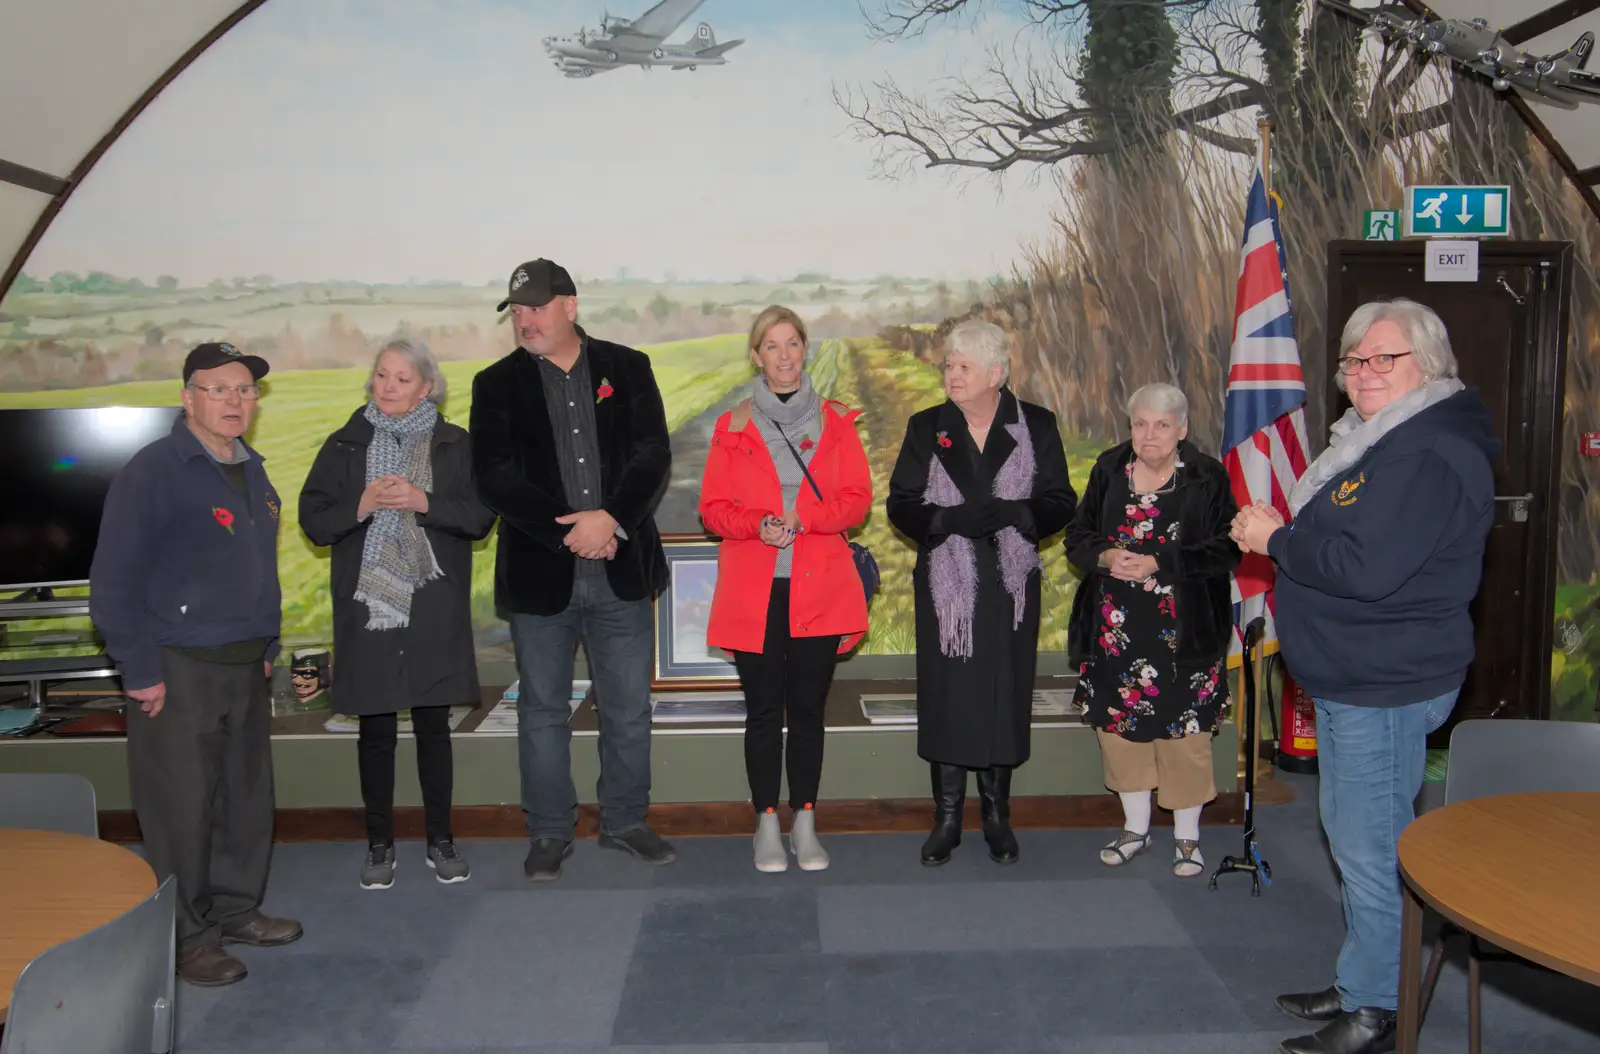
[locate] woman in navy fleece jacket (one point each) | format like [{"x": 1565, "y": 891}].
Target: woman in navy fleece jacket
[{"x": 1375, "y": 576}]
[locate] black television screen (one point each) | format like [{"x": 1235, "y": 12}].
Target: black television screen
[{"x": 55, "y": 468}]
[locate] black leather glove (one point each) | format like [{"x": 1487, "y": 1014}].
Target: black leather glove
[
  {"x": 975, "y": 519},
  {"x": 1017, "y": 514}
]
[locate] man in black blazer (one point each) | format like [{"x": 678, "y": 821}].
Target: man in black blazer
[{"x": 569, "y": 443}]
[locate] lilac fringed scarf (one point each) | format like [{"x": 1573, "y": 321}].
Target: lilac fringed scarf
[{"x": 953, "y": 563}]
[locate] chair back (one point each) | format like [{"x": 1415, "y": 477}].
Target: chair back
[
  {"x": 48, "y": 801},
  {"x": 1518, "y": 757},
  {"x": 109, "y": 991}
]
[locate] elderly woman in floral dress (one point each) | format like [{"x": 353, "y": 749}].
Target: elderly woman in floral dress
[{"x": 1150, "y": 623}]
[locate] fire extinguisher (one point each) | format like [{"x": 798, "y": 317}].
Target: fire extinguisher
[{"x": 1297, "y": 741}]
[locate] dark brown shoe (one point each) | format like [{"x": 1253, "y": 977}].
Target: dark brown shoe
[
  {"x": 208, "y": 966},
  {"x": 262, "y": 931}
]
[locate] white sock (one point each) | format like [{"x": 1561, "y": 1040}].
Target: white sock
[
  {"x": 1186, "y": 824},
  {"x": 1136, "y": 811}
]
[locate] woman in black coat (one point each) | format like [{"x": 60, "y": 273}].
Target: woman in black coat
[
  {"x": 392, "y": 492},
  {"x": 980, "y": 479},
  {"x": 1151, "y": 620}
]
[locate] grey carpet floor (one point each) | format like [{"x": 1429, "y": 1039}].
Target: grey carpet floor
[{"x": 875, "y": 955}]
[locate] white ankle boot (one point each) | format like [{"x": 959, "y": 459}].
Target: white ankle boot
[
  {"x": 808, "y": 852},
  {"x": 768, "y": 844}
]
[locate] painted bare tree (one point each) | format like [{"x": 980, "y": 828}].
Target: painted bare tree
[{"x": 1155, "y": 96}]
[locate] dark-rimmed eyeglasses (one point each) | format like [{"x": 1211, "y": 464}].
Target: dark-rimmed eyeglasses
[
  {"x": 1350, "y": 364},
  {"x": 219, "y": 392}
]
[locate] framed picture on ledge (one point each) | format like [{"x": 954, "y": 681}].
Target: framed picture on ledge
[{"x": 682, "y": 613}]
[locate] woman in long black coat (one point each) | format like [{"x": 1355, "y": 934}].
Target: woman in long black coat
[
  {"x": 980, "y": 479},
  {"x": 392, "y": 492}
]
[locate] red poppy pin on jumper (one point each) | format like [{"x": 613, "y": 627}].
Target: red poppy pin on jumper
[
  {"x": 806, "y": 443},
  {"x": 224, "y": 517},
  {"x": 944, "y": 439},
  {"x": 604, "y": 391}
]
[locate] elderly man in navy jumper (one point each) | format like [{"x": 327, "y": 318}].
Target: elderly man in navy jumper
[
  {"x": 1375, "y": 577},
  {"x": 184, "y": 589}
]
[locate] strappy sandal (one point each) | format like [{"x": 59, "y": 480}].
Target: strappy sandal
[
  {"x": 1188, "y": 856},
  {"x": 1119, "y": 850}
]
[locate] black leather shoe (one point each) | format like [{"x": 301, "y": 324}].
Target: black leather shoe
[
  {"x": 949, "y": 798},
  {"x": 544, "y": 859},
  {"x": 1364, "y": 1031},
  {"x": 994, "y": 796},
  {"x": 1312, "y": 1006},
  {"x": 643, "y": 844}
]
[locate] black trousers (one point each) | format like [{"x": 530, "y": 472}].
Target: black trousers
[
  {"x": 790, "y": 674},
  {"x": 201, "y": 776},
  {"x": 435, "y": 771}
]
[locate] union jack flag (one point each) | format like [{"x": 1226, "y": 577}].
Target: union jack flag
[{"x": 1263, "y": 423}]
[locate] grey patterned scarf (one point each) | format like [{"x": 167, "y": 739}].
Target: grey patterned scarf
[
  {"x": 800, "y": 419},
  {"x": 397, "y": 558},
  {"x": 953, "y": 563}
]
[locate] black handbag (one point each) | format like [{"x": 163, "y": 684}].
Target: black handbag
[{"x": 866, "y": 564}]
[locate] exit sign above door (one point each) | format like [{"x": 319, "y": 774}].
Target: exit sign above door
[{"x": 1458, "y": 211}]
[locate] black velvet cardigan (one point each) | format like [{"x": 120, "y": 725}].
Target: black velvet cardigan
[{"x": 1198, "y": 567}]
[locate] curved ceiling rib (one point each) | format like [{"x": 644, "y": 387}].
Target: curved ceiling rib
[
  {"x": 83, "y": 167},
  {"x": 1549, "y": 20}
]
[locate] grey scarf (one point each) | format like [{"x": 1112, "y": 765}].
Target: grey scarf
[
  {"x": 1350, "y": 437},
  {"x": 800, "y": 420},
  {"x": 397, "y": 558}
]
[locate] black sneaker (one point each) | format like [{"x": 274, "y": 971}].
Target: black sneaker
[
  {"x": 643, "y": 843},
  {"x": 377, "y": 872},
  {"x": 447, "y": 862},
  {"x": 544, "y": 859}
]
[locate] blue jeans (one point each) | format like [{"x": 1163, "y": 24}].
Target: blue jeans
[
  {"x": 1371, "y": 762},
  {"x": 617, "y": 637}
]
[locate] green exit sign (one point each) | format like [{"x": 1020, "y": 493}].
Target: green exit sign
[
  {"x": 1458, "y": 211},
  {"x": 1380, "y": 225}
]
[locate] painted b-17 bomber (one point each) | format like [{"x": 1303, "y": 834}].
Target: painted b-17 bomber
[
  {"x": 1559, "y": 78},
  {"x": 639, "y": 42}
]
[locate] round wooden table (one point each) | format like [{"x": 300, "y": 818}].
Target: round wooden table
[
  {"x": 1515, "y": 869},
  {"x": 54, "y": 887}
]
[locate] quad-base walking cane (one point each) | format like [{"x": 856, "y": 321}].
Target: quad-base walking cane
[{"x": 1260, "y": 870}]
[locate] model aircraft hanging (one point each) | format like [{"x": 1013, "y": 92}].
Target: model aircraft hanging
[
  {"x": 639, "y": 42},
  {"x": 1559, "y": 78}
]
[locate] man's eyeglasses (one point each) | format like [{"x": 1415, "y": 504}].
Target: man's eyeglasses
[
  {"x": 1350, "y": 365},
  {"x": 219, "y": 392}
]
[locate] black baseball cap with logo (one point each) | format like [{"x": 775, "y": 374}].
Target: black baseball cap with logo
[
  {"x": 536, "y": 283},
  {"x": 212, "y": 354}
]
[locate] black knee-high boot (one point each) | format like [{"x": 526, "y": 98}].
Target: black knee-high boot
[
  {"x": 949, "y": 797},
  {"x": 994, "y": 793}
]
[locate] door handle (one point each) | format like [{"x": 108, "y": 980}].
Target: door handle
[
  {"x": 1519, "y": 505},
  {"x": 1500, "y": 280}
]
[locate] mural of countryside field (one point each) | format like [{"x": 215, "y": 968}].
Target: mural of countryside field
[
  {"x": 1075, "y": 172},
  {"x": 147, "y": 330}
]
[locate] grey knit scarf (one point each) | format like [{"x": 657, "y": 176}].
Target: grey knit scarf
[
  {"x": 800, "y": 419},
  {"x": 397, "y": 558}
]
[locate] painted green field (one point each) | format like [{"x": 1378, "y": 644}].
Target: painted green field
[{"x": 300, "y": 409}]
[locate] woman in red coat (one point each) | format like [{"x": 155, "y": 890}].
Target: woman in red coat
[{"x": 788, "y": 598}]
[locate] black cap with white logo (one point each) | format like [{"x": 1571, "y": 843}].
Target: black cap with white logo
[
  {"x": 536, "y": 282},
  {"x": 210, "y": 355}
]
